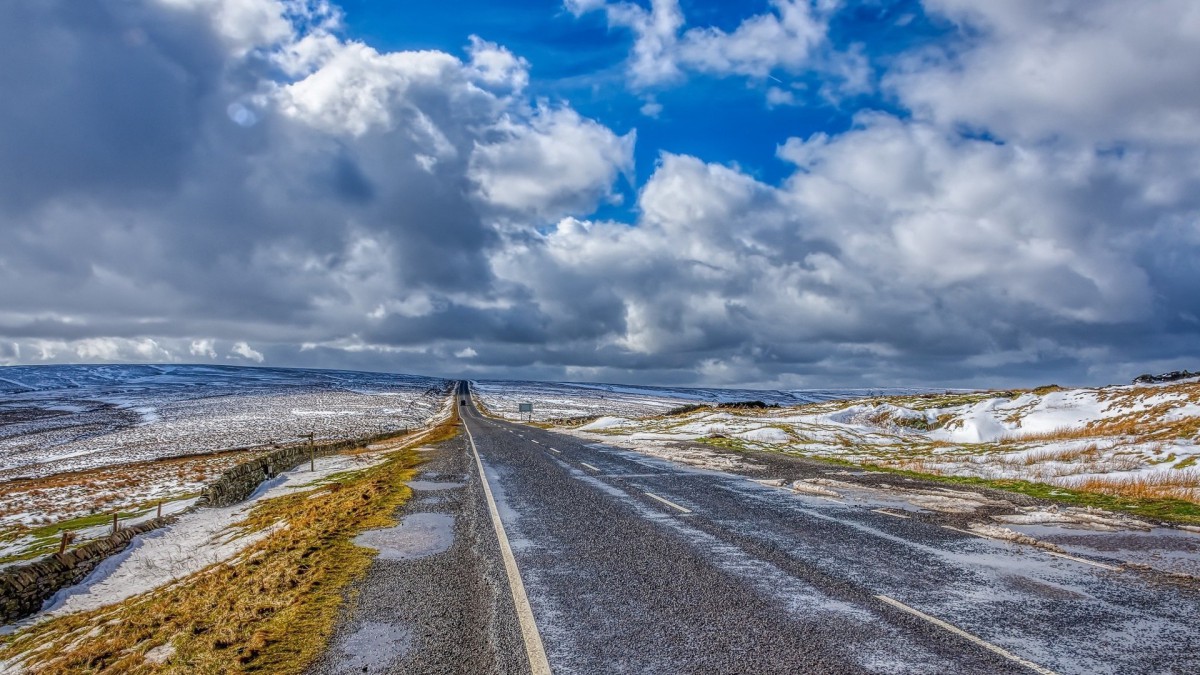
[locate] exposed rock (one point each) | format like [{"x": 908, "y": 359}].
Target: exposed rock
[{"x": 1172, "y": 376}]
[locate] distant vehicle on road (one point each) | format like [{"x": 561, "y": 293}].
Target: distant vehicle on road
[{"x": 462, "y": 401}]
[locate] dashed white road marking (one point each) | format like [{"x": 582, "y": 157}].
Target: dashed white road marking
[
  {"x": 964, "y": 634},
  {"x": 973, "y": 534},
  {"x": 891, "y": 513},
  {"x": 1085, "y": 561},
  {"x": 555, "y": 451},
  {"x": 534, "y": 650},
  {"x": 668, "y": 502},
  {"x": 537, "y": 441},
  {"x": 590, "y": 467}
]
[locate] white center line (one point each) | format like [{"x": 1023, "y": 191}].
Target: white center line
[
  {"x": 668, "y": 502},
  {"x": 590, "y": 466},
  {"x": 555, "y": 451},
  {"x": 962, "y": 633},
  {"x": 891, "y": 513}
]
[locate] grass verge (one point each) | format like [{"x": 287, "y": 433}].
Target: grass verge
[{"x": 270, "y": 609}]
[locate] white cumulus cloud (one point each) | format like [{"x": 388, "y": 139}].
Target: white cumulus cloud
[{"x": 245, "y": 351}]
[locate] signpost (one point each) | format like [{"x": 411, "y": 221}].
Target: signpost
[{"x": 526, "y": 408}]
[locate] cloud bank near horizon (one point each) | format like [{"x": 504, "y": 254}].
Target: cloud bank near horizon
[{"x": 240, "y": 181}]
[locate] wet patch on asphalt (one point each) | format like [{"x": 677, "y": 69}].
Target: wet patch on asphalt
[
  {"x": 417, "y": 536},
  {"x": 372, "y": 647}
]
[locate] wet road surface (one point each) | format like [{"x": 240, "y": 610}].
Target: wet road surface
[{"x": 636, "y": 564}]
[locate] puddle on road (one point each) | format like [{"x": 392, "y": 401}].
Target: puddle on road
[
  {"x": 372, "y": 647},
  {"x": 433, "y": 485},
  {"x": 418, "y": 535}
]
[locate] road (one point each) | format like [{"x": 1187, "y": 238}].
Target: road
[{"x": 623, "y": 563}]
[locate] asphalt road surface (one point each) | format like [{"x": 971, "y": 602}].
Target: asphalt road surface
[{"x": 623, "y": 563}]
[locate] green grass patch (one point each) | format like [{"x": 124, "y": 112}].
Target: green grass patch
[
  {"x": 735, "y": 444},
  {"x": 1190, "y": 461}
]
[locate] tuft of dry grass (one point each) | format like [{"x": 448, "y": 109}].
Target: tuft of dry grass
[
  {"x": 1054, "y": 435},
  {"x": 1172, "y": 484},
  {"x": 270, "y": 609}
]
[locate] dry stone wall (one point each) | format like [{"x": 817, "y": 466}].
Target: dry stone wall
[
  {"x": 240, "y": 481},
  {"x": 23, "y": 588}
]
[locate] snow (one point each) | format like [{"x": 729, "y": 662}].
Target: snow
[
  {"x": 766, "y": 435},
  {"x": 71, "y": 418},
  {"x": 198, "y": 539},
  {"x": 989, "y": 436},
  {"x": 605, "y": 423}
]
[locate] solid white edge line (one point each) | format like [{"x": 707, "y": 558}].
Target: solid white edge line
[
  {"x": 891, "y": 513},
  {"x": 667, "y": 502},
  {"x": 964, "y": 634},
  {"x": 590, "y": 467},
  {"x": 538, "y": 663}
]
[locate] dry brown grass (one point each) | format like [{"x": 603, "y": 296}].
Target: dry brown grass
[
  {"x": 1175, "y": 484},
  {"x": 1054, "y": 435},
  {"x": 271, "y": 609}
]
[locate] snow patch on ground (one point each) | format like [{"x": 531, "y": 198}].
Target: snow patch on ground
[
  {"x": 766, "y": 435},
  {"x": 605, "y": 423},
  {"x": 197, "y": 540}
]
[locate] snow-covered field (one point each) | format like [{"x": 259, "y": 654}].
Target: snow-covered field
[
  {"x": 564, "y": 400},
  {"x": 1141, "y": 440},
  {"x": 69, "y": 418},
  {"x": 198, "y": 539},
  {"x": 80, "y": 442}
]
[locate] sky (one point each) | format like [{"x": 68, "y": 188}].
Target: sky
[{"x": 776, "y": 193}]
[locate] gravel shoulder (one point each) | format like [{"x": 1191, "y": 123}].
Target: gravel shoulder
[{"x": 435, "y": 600}]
